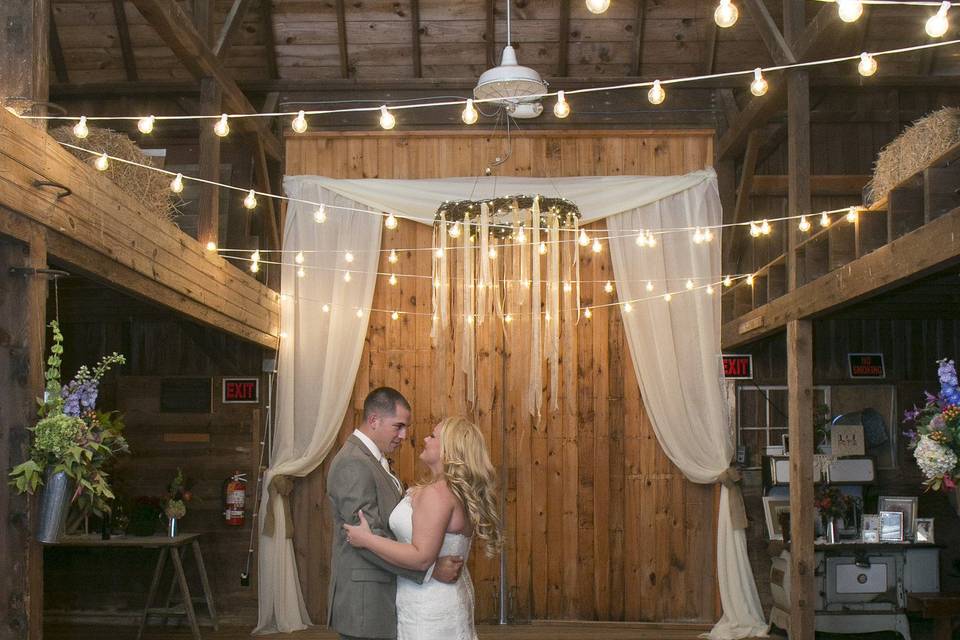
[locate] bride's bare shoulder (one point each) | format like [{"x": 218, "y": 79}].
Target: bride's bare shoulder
[{"x": 435, "y": 492}]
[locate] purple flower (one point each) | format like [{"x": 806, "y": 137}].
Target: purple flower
[
  {"x": 79, "y": 397},
  {"x": 911, "y": 414}
]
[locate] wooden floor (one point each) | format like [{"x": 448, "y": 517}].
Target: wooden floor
[{"x": 535, "y": 631}]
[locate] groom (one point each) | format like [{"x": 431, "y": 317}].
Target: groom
[{"x": 363, "y": 587}]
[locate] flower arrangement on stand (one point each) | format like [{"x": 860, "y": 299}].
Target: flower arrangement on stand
[
  {"x": 935, "y": 433},
  {"x": 175, "y": 502}
]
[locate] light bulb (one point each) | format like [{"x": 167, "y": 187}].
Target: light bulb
[
  {"x": 320, "y": 215},
  {"x": 754, "y": 230},
  {"x": 301, "y": 273},
  {"x": 852, "y": 215},
  {"x": 583, "y": 239},
  {"x": 709, "y": 289},
  {"x": 608, "y": 287},
  {"x": 325, "y": 308},
  {"x": 508, "y": 318},
  {"x": 849, "y": 10},
  {"x": 656, "y": 95},
  {"x": 254, "y": 267},
  {"x": 454, "y": 230},
  {"x": 359, "y": 313},
  {"x": 765, "y": 228},
  {"x": 469, "y": 115},
  {"x": 347, "y": 277},
  {"x": 80, "y": 129},
  {"x": 438, "y": 253},
  {"x": 649, "y": 286},
  {"x": 728, "y": 281},
  {"x": 937, "y": 25},
  {"x": 521, "y": 237},
  {"x": 392, "y": 258},
  {"x": 211, "y": 246},
  {"x": 759, "y": 85},
  {"x": 543, "y": 248},
  {"x": 469, "y": 319},
  {"x": 708, "y": 236},
  {"x": 689, "y": 284},
  {"x": 651, "y": 240},
  {"x": 561, "y": 109},
  {"x": 394, "y": 316},
  {"x": 567, "y": 287},
  {"x": 492, "y": 252},
  {"x": 824, "y": 220},
  {"x": 255, "y": 256},
  {"x": 597, "y": 247},
  {"x": 697, "y": 236},
  {"x": 867, "y": 65},
  {"x": 176, "y": 185},
  {"x": 598, "y": 6},
  {"x": 298, "y": 258},
  {"x": 546, "y": 316},
  {"x": 348, "y": 256},
  {"x": 250, "y": 202},
  {"x": 527, "y": 283},
  {"x": 102, "y": 162},
  {"x": 390, "y": 222},
  {"x": 393, "y": 280},
  {"x": 587, "y": 313},
  {"x": 750, "y": 279},
  {"x": 145, "y": 125},
  {"x": 627, "y": 307},
  {"x": 299, "y": 123},
  {"x": 641, "y": 240},
  {"x": 804, "y": 224},
  {"x": 387, "y": 121},
  {"x": 667, "y": 297},
  {"x": 726, "y": 14},
  {"x": 222, "y": 128}
]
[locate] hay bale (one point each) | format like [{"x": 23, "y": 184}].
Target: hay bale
[
  {"x": 915, "y": 148},
  {"x": 150, "y": 188}
]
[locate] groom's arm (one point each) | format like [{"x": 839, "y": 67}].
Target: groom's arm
[{"x": 353, "y": 490}]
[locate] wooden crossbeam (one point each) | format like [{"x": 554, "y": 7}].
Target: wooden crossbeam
[
  {"x": 639, "y": 22},
  {"x": 56, "y": 51},
  {"x": 126, "y": 48},
  {"x": 415, "y": 36},
  {"x": 192, "y": 51},
  {"x": 563, "y": 50},
  {"x": 776, "y": 44},
  {"x": 710, "y": 48},
  {"x": 269, "y": 42},
  {"x": 743, "y": 193},
  {"x": 231, "y": 27},
  {"x": 262, "y": 174},
  {"x": 342, "y": 38}
]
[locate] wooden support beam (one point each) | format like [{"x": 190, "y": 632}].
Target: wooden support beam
[
  {"x": 342, "y": 38},
  {"x": 56, "y": 51},
  {"x": 269, "y": 41},
  {"x": 747, "y": 172},
  {"x": 798, "y": 141},
  {"x": 563, "y": 50},
  {"x": 820, "y": 185},
  {"x": 203, "y": 11},
  {"x": 639, "y": 25},
  {"x": 186, "y": 42},
  {"x": 208, "y": 204},
  {"x": 800, "y": 427},
  {"x": 776, "y": 44},
  {"x": 490, "y": 33},
  {"x": 262, "y": 172},
  {"x": 710, "y": 48},
  {"x": 231, "y": 27},
  {"x": 126, "y": 48},
  {"x": 728, "y": 103},
  {"x": 25, "y": 52},
  {"x": 415, "y": 24},
  {"x": 925, "y": 250}
]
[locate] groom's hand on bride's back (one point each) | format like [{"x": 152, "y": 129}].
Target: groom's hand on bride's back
[{"x": 447, "y": 569}]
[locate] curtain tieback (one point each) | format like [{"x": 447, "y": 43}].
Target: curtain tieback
[
  {"x": 280, "y": 489},
  {"x": 738, "y": 513}
]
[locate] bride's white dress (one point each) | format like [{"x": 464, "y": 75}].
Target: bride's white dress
[{"x": 433, "y": 610}]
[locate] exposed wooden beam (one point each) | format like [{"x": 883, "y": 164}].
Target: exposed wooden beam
[
  {"x": 639, "y": 24},
  {"x": 208, "y": 205},
  {"x": 203, "y": 11},
  {"x": 928, "y": 58},
  {"x": 342, "y": 38},
  {"x": 710, "y": 48},
  {"x": 415, "y": 36},
  {"x": 126, "y": 48},
  {"x": 262, "y": 173},
  {"x": 563, "y": 50},
  {"x": 925, "y": 250},
  {"x": 776, "y": 44},
  {"x": 798, "y": 158},
  {"x": 25, "y": 53},
  {"x": 231, "y": 27},
  {"x": 175, "y": 29},
  {"x": 728, "y": 103},
  {"x": 56, "y": 51},
  {"x": 743, "y": 195},
  {"x": 269, "y": 42},
  {"x": 820, "y": 185},
  {"x": 490, "y": 34}
]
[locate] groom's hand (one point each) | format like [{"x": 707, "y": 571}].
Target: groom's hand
[{"x": 448, "y": 569}]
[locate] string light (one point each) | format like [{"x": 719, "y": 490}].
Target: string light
[
  {"x": 454, "y": 230},
  {"x": 649, "y": 286},
  {"x": 438, "y": 253},
  {"x": 347, "y": 277},
  {"x": 176, "y": 185},
  {"x": 387, "y": 120},
  {"x": 250, "y": 202},
  {"x": 765, "y": 228},
  {"x": 627, "y": 307},
  {"x": 567, "y": 287},
  {"x": 301, "y": 273},
  {"x": 561, "y": 109},
  {"x": 222, "y": 128},
  {"x": 709, "y": 289},
  {"x": 211, "y": 246},
  {"x": 689, "y": 284},
  {"x": 583, "y": 239},
  {"x": 708, "y": 235},
  {"x": 255, "y": 256},
  {"x": 546, "y": 316},
  {"x": 651, "y": 239},
  {"x": 726, "y": 14},
  {"x": 320, "y": 215},
  {"x": 587, "y": 313},
  {"x": 656, "y": 95},
  {"x": 394, "y": 316},
  {"x": 759, "y": 85},
  {"x": 469, "y": 115},
  {"x": 298, "y": 258},
  {"x": 750, "y": 279},
  {"x": 867, "y": 65},
  {"x": 824, "y": 220},
  {"x": 508, "y": 318},
  {"x": 325, "y": 308},
  {"x": 492, "y": 252},
  {"x": 102, "y": 163},
  {"x": 393, "y": 280},
  {"x": 299, "y": 123},
  {"x": 521, "y": 236},
  {"x": 804, "y": 224},
  {"x": 392, "y": 258},
  {"x": 543, "y": 249},
  {"x": 598, "y": 6},
  {"x": 348, "y": 256},
  {"x": 359, "y": 313},
  {"x": 728, "y": 281},
  {"x": 608, "y": 287},
  {"x": 390, "y": 222},
  {"x": 937, "y": 24},
  {"x": 754, "y": 230},
  {"x": 852, "y": 215},
  {"x": 849, "y": 10},
  {"x": 145, "y": 125},
  {"x": 597, "y": 247},
  {"x": 667, "y": 297},
  {"x": 254, "y": 266},
  {"x": 698, "y": 236},
  {"x": 80, "y": 129}
]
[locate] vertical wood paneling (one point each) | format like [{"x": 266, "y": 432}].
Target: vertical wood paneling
[{"x": 599, "y": 524}]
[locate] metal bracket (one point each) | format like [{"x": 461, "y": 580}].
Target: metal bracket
[
  {"x": 64, "y": 190},
  {"x": 31, "y": 271}
]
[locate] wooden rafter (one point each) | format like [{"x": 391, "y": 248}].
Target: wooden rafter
[
  {"x": 269, "y": 42},
  {"x": 743, "y": 193},
  {"x": 639, "y": 24},
  {"x": 342, "y": 38},
  {"x": 262, "y": 173},
  {"x": 56, "y": 51},
  {"x": 415, "y": 25},
  {"x": 563, "y": 50},
  {"x": 126, "y": 48},
  {"x": 710, "y": 48},
  {"x": 769, "y": 32},
  {"x": 491, "y": 33},
  {"x": 231, "y": 27},
  {"x": 188, "y": 45}
]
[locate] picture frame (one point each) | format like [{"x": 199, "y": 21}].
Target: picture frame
[
  {"x": 870, "y": 527},
  {"x": 773, "y": 508},
  {"x": 924, "y": 530},
  {"x": 907, "y": 505},
  {"x": 891, "y": 526},
  {"x": 785, "y": 441}
]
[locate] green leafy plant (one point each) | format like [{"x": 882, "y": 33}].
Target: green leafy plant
[{"x": 71, "y": 435}]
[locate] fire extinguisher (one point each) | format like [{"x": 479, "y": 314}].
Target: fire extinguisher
[{"x": 235, "y": 495}]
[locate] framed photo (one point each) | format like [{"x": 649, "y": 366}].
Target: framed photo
[
  {"x": 785, "y": 440},
  {"x": 891, "y": 526},
  {"x": 774, "y": 508},
  {"x": 870, "y": 527},
  {"x": 924, "y": 531},
  {"x": 907, "y": 505}
]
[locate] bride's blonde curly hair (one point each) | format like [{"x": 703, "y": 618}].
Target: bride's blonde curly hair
[{"x": 470, "y": 475}]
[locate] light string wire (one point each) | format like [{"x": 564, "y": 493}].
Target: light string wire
[
  {"x": 461, "y": 102},
  {"x": 899, "y": 3}
]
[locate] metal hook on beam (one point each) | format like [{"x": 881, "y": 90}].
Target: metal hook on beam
[
  {"x": 64, "y": 190},
  {"x": 31, "y": 271}
]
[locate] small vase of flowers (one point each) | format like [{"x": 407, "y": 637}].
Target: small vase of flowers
[
  {"x": 832, "y": 505},
  {"x": 175, "y": 503}
]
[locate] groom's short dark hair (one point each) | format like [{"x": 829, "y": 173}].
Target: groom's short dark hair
[{"x": 383, "y": 401}]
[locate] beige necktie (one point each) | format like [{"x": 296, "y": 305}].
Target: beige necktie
[{"x": 386, "y": 467}]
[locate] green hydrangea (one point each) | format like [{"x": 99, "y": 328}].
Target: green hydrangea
[{"x": 56, "y": 434}]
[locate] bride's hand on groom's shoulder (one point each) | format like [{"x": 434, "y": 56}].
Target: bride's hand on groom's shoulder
[{"x": 357, "y": 535}]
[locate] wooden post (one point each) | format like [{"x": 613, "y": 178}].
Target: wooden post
[
  {"x": 22, "y": 319},
  {"x": 208, "y": 205},
  {"x": 800, "y": 419},
  {"x": 25, "y": 54},
  {"x": 798, "y": 138}
]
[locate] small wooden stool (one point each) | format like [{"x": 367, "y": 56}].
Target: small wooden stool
[{"x": 942, "y": 607}]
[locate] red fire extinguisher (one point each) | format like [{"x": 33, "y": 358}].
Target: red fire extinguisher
[{"x": 235, "y": 497}]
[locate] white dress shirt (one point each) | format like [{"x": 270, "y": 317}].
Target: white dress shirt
[{"x": 375, "y": 450}]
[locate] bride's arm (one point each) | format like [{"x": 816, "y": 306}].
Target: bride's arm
[{"x": 433, "y": 508}]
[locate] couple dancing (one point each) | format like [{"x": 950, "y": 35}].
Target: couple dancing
[{"x": 397, "y": 564}]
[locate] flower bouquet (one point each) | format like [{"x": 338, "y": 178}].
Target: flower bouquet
[
  {"x": 833, "y": 505},
  {"x": 178, "y": 495},
  {"x": 935, "y": 433}
]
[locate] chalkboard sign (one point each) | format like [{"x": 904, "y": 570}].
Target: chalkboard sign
[{"x": 185, "y": 395}]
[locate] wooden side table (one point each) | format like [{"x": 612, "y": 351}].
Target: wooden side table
[{"x": 176, "y": 549}]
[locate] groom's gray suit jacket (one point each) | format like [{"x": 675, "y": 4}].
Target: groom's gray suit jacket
[{"x": 363, "y": 587}]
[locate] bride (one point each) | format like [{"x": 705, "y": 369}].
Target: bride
[{"x": 439, "y": 517}]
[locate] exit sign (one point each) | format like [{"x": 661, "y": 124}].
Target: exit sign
[
  {"x": 738, "y": 366},
  {"x": 241, "y": 390},
  {"x": 866, "y": 365}
]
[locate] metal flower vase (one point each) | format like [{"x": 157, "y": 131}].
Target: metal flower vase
[
  {"x": 54, "y": 506},
  {"x": 832, "y": 531},
  {"x": 172, "y": 527}
]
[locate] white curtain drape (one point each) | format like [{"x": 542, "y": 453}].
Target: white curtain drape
[
  {"x": 678, "y": 345},
  {"x": 318, "y": 363}
]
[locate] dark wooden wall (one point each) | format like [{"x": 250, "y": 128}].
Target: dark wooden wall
[{"x": 208, "y": 447}]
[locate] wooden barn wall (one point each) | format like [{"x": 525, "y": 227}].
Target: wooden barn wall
[
  {"x": 208, "y": 447},
  {"x": 599, "y": 524}
]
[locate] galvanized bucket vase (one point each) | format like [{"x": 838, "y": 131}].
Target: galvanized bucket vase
[{"x": 54, "y": 506}]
